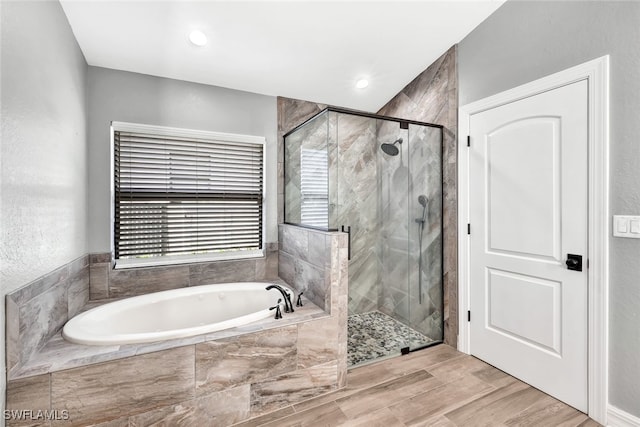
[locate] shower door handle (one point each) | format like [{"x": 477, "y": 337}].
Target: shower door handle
[{"x": 348, "y": 231}]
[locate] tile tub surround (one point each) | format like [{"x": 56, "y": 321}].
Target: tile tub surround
[
  {"x": 217, "y": 382},
  {"x": 37, "y": 311},
  {"x": 307, "y": 261},
  {"x": 315, "y": 262},
  {"x": 59, "y": 354},
  {"x": 107, "y": 282},
  {"x": 220, "y": 378}
]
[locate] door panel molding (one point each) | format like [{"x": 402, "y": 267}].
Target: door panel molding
[{"x": 596, "y": 73}]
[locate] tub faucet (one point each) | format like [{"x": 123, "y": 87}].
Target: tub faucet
[
  {"x": 288, "y": 307},
  {"x": 277, "y": 308}
]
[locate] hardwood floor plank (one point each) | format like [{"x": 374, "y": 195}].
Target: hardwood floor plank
[
  {"x": 416, "y": 410},
  {"x": 457, "y": 367},
  {"x": 387, "y": 393},
  {"x": 493, "y": 376},
  {"x": 436, "y": 387},
  {"x": 380, "y": 418},
  {"x": 589, "y": 423},
  {"x": 424, "y": 359},
  {"x": 547, "y": 411},
  {"x": 325, "y": 398},
  {"x": 497, "y": 406},
  {"x": 328, "y": 414},
  {"x": 439, "y": 421}
]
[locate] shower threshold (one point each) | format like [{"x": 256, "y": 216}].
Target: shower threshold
[{"x": 375, "y": 336}]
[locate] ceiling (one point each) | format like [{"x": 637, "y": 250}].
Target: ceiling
[{"x": 308, "y": 50}]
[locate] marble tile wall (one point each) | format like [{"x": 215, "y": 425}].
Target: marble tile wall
[
  {"x": 220, "y": 383},
  {"x": 107, "y": 282},
  {"x": 356, "y": 204},
  {"x": 352, "y": 145},
  {"x": 304, "y": 261},
  {"x": 433, "y": 97},
  {"x": 316, "y": 263},
  {"x": 37, "y": 311}
]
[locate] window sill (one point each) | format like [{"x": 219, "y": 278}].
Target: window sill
[{"x": 121, "y": 264}]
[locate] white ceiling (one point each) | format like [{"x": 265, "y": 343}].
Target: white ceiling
[{"x": 300, "y": 49}]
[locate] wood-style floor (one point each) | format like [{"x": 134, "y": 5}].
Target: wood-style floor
[{"x": 438, "y": 387}]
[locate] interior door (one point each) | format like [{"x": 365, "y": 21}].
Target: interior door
[{"x": 528, "y": 215}]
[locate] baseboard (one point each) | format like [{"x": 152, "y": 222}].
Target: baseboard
[{"x": 616, "y": 417}]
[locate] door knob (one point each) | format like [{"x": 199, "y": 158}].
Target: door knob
[{"x": 574, "y": 262}]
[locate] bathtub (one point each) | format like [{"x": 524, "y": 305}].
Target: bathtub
[{"x": 177, "y": 313}]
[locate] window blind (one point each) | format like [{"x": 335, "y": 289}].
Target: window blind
[
  {"x": 314, "y": 187},
  {"x": 182, "y": 195}
]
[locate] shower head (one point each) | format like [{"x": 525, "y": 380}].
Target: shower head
[
  {"x": 391, "y": 149},
  {"x": 422, "y": 199}
]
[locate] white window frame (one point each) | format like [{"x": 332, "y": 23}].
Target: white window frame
[{"x": 117, "y": 126}]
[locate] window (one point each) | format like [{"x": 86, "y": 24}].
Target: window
[
  {"x": 185, "y": 196},
  {"x": 314, "y": 181}
]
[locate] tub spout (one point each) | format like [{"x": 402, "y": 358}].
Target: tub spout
[{"x": 288, "y": 307}]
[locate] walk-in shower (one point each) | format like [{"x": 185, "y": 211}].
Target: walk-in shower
[{"x": 380, "y": 179}]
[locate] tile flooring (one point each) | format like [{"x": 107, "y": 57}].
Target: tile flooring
[
  {"x": 435, "y": 387},
  {"x": 374, "y": 335}
]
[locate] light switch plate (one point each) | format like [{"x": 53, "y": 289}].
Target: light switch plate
[{"x": 626, "y": 226}]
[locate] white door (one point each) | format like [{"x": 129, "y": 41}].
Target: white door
[{"x": 528, "y": 211}]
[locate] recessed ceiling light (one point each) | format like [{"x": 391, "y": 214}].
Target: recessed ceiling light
[
  {"x": 198, "y": 38},
  {"x": 362, "y": 83}
]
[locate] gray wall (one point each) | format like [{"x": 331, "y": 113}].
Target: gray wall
[
  {"x": 43, "y": 213},
  {"x": 138, "y": 98},
  {"x": 523, "y": 41}
]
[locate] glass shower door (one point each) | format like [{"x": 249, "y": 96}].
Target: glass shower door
[
  {"x": 425, "y": 236},
  {"x": 371, "y": 204},
  {"x": 380, "y": 180}
]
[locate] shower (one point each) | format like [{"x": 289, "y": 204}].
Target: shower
[
  {"x": 391, "y": 149},
  {"x": 339, "y": 175}
]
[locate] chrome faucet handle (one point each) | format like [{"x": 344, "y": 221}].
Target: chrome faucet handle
[{"x": 299, "y": 300}]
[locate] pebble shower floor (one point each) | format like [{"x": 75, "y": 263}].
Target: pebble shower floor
[{"x": 374, "y": 334}]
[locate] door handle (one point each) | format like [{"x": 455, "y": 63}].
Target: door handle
[
  {"x": 348, "y": 231},
  {"x": 574, "y": 262}
]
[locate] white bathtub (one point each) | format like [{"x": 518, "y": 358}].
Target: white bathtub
[{"x": 177, "y": 313}]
